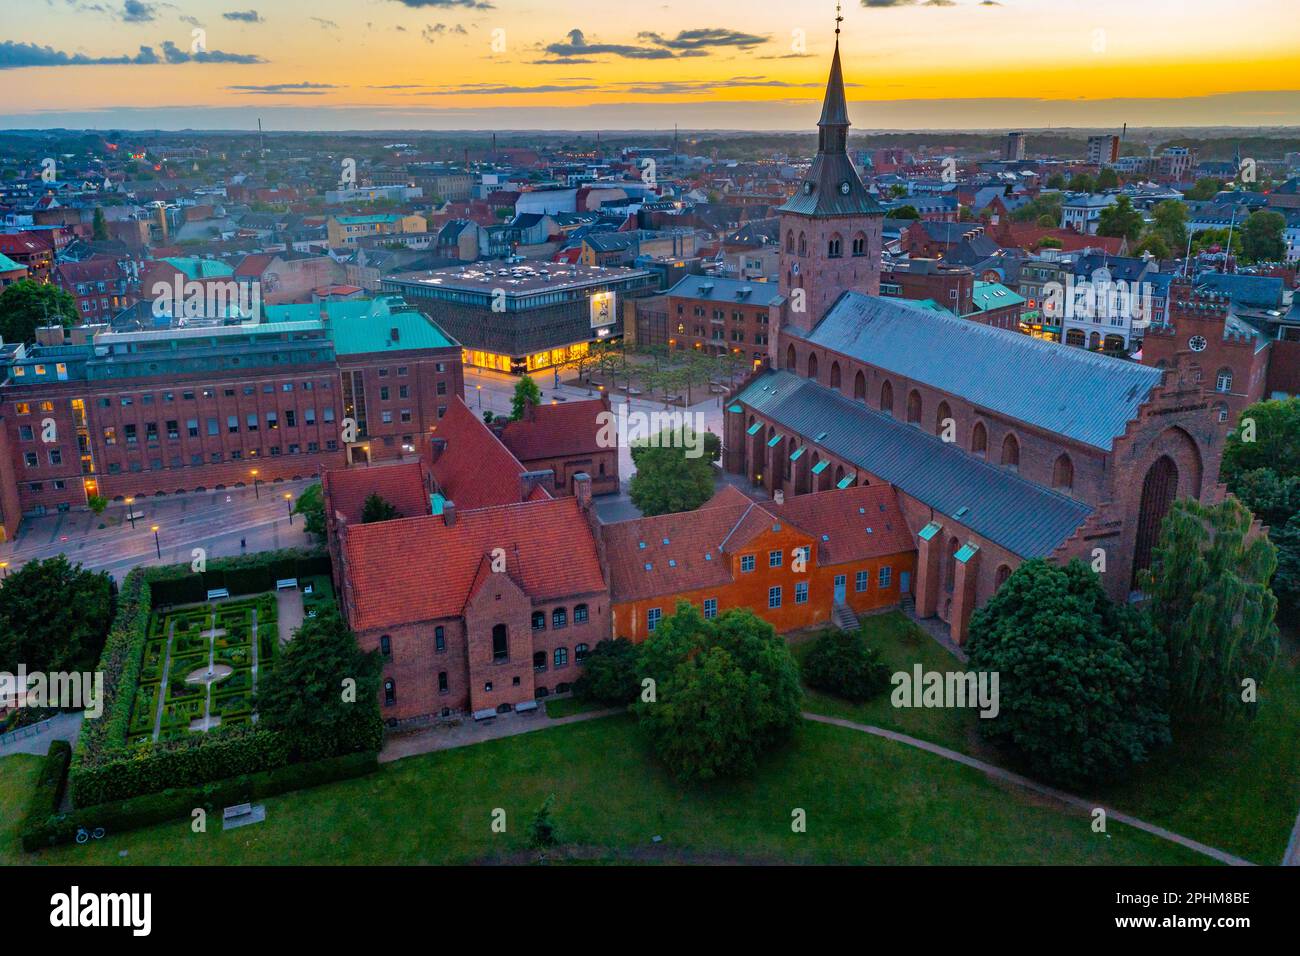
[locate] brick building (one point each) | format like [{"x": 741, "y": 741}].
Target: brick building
[
  {"x": 565, "y": 440},
  {"x": 716, "y": 316},
  {"x": 950, "y": 286},
  {"x": 1000, "y": 447},
  {"x": 187, "y": 409},
  {"x": 796, "y": 564},
  {"x": 486, "y": 594},
  {"x": 102, "y": 286}
]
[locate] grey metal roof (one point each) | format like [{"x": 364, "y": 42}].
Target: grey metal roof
[
  {"x": 1025, "y": 518},
  {"x": 829, "y": 171},
  {"x": 721, "y": 290},
  {"x": 1080, "y": 394}
]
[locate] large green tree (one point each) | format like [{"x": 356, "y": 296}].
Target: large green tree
[
  {"x": 99, "y": 227},
  {"x": 311, "y": 505},
  {"x": 1208, "y": 586},
  {"x": 726, "y": 691},
  {"x": 1082, "y": 680},
  {"x": 667, "y": 479},
  {"x": 1170, "y": 224},
  {"x": 308, "y": 688},
  {"x": 526, "y": 393},
  {"x": 378, "y": 508},
  {"x": 1120, "y": 220},
  {"x": 1261, "y": 236},
  {"x": 1267, "y": 436},
  {"x": 54, "y": 616},
  {"x": 27, "y": 305},
  {"x": 609, "y": 674},
  {"x": 1205, "y": 188}
]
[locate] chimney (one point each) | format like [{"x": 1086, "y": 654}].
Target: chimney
[
  {"x": 582, "y": 490},
  {"x": 529, "y": 480},
  {"x": 449, "y": 513}
]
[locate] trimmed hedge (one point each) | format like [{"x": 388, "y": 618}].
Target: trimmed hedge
[
  {"x": 48, "y": 793},
  {"x": 242, "y": 574},
  {"x": 53, "y": 828},
  {"x": 106, "y": 768}
]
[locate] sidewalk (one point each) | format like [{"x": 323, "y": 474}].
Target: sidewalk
[
  {"x": 36, "y": 738},
  {"x": 470, "y": 732}
]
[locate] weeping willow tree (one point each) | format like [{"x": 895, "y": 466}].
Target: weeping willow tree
[{"x": 1209, "y": 590}]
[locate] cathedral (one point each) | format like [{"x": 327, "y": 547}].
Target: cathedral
[{"x": 1000, "y": 447}]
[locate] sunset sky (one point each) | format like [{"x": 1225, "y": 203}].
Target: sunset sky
[{"x": 577, "y": 64}]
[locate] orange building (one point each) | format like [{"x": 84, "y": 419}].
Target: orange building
[{"x": 810, "y": 560}]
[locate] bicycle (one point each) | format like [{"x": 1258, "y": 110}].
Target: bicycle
[{"x": 84, "y": 835}]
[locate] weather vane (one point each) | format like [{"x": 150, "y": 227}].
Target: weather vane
[{"x": 838, "y": 19}]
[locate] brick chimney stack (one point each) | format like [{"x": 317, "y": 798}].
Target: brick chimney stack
[
  {"x": 582, "y": 490},
  {"x": 449, "y": 513}
]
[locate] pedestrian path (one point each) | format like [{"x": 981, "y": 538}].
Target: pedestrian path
[{"x": 1007, "y": 776}]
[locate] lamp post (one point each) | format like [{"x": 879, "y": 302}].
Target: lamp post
[
  {"x": 130, "y": 512},
  {"x": 479, "y": 389},
  {"x": 156, "y": 545},
  {"x": 256, "y": 495},
  {"x": 288, "y": 504},
  {"x": 4, "y": 568}
]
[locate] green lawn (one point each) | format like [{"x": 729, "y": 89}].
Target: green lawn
[
  {"x": 867, "y": 801},
  {"x": 1235, "y": 788},
  {"x": 567, "y": 706}
]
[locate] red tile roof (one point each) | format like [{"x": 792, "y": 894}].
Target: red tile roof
[
  {"x": 402, "y": 485},
  {"x": 474, "y": 470},
  {"x": 846, "y": 525},
  {"x": 254, "y": 264},
  {"x": 553, "y": 431},
  {"x": 418, "y": 569}
]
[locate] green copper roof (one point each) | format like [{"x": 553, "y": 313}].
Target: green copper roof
[
  {"x": 929, "y": 531},
  {"x": 772, "y": 442},
  {"x": 8, "y": 265},
  {"x": 847, "y": 480},
  {"x": 735, "y": 408},
  {"x": 966, "y": 552},
  {"x": 195, "y": 268},
  {"x": 366, "y": 325},
  {"x": 753, "y": 429},
  {"x": 800, "y": 451},
  {"x": 436, "y": 501},
  {"x": 362, "y": 220},
  {"x": 994, "y": 295},
  {"x": 818, "y": 468}
]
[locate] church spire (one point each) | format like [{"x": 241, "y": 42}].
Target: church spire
[{"x": 833, "y": 127}]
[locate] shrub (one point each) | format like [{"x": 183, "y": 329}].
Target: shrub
[
  {"x": 844, "y": 665},
  {"x": 610, "y": 673},
  {"x": 49, "y": 790}
]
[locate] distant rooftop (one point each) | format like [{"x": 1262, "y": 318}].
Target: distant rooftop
[{"x": 517, "y": 279}]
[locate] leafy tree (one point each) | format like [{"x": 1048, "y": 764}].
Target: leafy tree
[
  {"x": 99, "y": 228},
  {"x": 54, "y": 616},
  {"x": 841, "y": 663},
  {"x": 666, "y": 480},
  {"x": 1046, "y": 204},
  {"x": 1082, "y": 681},
  {"x": 905, "y": 212},
  {"x": 1082, "y": 183},
  {"x": 377, "y": 508},
  {"x": 1272, "y": 498},
  {"x": 1153, "y": 243},
  {"x": 1049, "y": 242},
  {"x": 609, "y": 674},
  {"x": 526, "y": 393},
  {"x": 97, "y": 503},
  {"x": 1170, "y": 224},
  {"x": 1208, "y": 584},
  {"x": 1286, "y": 579},
  {"x": 1120, "y": 219},
  {"x": 1046, "y": 222},
  {"x": 726, "y": 691},
  {"x": 1056, "y": 181},
  {"x": 1107, "y": 178},
  {"x": 1267, "y": 436},
  {"x": 1223, "y": 238},
  {"x": 1261, "y": 236},
  {"x": 27, "y": 305},
  {"x": 311, "y": 505},
  {"x": 1205, "y": 188},
  {"x": 542, "y": 831},
  {"x": 305, "y": 689}
]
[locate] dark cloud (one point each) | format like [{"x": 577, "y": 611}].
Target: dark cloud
[
  {"x": 498, "y": 89},
  {"x": 290, "y": 89},
  {"x": 325, "y": 24},
  {"x": 174, "y": 54},
  {"x": 435, "y": 30},
  {"x": 136, "y": 11},
  {"x": 653, "y": 46},
  {"x": 704, "y": 39},
  {"x": 446, "y": 4},
  {"x": 244, "y": 16}
]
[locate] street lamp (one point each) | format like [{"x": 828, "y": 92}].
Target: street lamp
[
  {"x": 288, "y": 503},
  {"x": 255, "y": 492},
  {"x": 156, "y": 545},
  {"x": 130, "y": 512},
  {"x": 479, "y": 389},
  {"x": 4, "y": 568}
]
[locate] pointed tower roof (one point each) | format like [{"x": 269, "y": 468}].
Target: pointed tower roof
[
  {"x": 835, "y": 110},
  {"x": 832, "y": 186}
]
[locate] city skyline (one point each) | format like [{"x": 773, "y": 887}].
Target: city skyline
[{"x": 475, "y": 64}]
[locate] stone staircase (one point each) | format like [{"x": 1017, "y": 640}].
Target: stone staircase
[{"x": 844, "y": 618}]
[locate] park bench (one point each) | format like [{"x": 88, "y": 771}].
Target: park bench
[
  {"x": 215, "y": 593},
  {"x": 237, "y": 811},
  {"x": 526, "y": 707},
  {"x": 487, "y": 713},
  {"x": 286, "y": 583}
]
